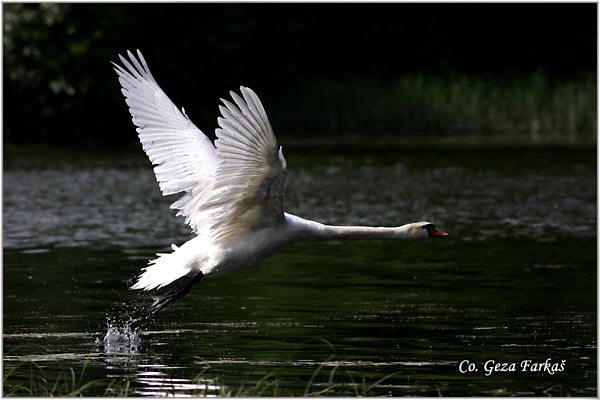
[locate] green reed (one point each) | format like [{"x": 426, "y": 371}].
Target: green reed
[
  {"x": 30, "y": 379},
  {"x": 530, "y": 109}
]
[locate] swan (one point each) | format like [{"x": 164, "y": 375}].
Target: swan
[{"x": 232, "y": 189}]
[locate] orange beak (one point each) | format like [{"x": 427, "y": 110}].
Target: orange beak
[{"x": 434, "y": 233}]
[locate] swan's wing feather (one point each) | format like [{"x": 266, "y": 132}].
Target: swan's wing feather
[
  {"x": 231, "y": 189},
  {"x": 184, "y": 158},
  {"x": 248, "y": 191}
]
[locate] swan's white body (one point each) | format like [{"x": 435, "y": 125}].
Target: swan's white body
[{"x": 233, "y": 190}]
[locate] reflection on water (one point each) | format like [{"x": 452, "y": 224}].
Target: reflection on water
[{"x": 516, "y": 281}]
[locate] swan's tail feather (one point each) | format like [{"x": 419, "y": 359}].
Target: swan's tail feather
[{"x": 162, "y": 271}]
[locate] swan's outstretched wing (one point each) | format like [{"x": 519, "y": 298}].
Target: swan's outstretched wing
[
  {"x": 231, "y": 189},
  {"x": 184, "y": 158},
  {"x": 248, "y": 191}
]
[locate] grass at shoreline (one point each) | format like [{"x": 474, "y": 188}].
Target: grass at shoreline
[
  {"x": 454, "y": 109},
  {"x": 327, "y": 379}
]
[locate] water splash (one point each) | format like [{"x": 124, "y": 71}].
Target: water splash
[{"x": 122, "y": 336}]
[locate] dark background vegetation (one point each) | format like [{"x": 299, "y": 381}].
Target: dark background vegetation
[{"x": 404, "y": 72}]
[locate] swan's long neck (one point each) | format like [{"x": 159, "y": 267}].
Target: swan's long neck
[
  {"x": 363, "y": 232},
  {"x": 311, "y": 230}
]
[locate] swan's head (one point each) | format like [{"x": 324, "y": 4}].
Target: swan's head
[
  {"x": 424, "y": 230},
  {"x": 432, "y": 232}
]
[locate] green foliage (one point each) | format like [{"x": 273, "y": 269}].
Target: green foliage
[{"x": 51, "y": 60}]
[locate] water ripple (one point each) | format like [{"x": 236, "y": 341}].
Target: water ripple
[{"x": 106, "y": 206}]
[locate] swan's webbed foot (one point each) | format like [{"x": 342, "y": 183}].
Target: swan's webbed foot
[{"x": 162, "y": 300}]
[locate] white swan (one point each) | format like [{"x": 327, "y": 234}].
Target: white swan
[{"x": 233, "y": 190}]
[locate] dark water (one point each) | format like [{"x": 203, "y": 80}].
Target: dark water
[{"x": 516, "y": 281}]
